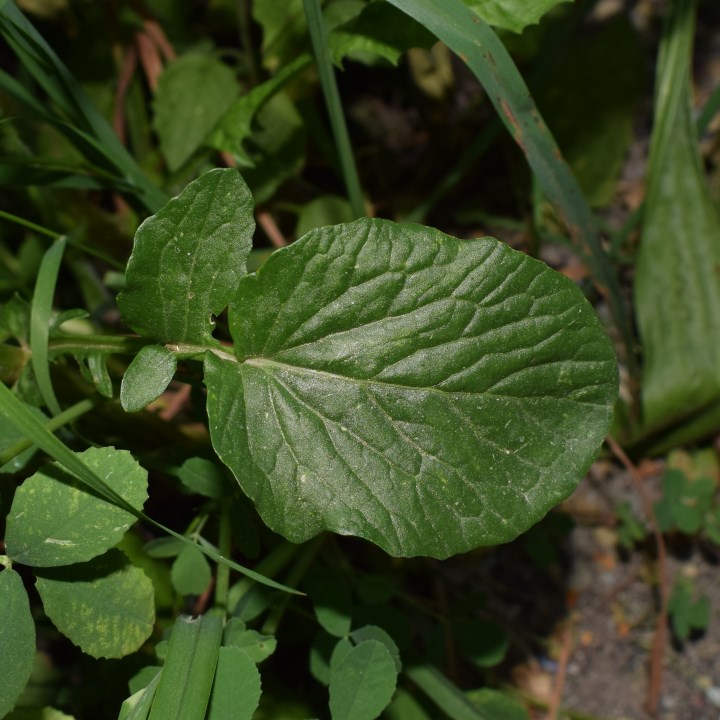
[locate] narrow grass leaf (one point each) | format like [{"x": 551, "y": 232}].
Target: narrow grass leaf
[
  {"x": 187, "y": 675},
  {"x": 147, "y": 377},
  {"x": 17, "y": 639},
  {"x": 188, "y": 259},
  {"x": 54, "y": 520},
  {"x": 387, "y": 374},
  {"x": 40, "y": 314},
  {"x": 46, "y": 68},
  {"x": 445, "y": 694},
  {"x": 323, "y": 59},
  {"x": 138, "y": 705},
  {"x": 105, "y": 606},
  {"x": 237, "y": 688},
  {"x": 363, "y": 683}
]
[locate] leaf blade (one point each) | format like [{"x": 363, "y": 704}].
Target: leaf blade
[
  {"x": 175, "y": 283},
  {"x": 17, "y": 639},
  {"x": 369, "y": 351}
]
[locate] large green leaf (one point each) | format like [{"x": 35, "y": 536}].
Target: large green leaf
[
  {"x": 188, "y": 258},
  {"x": 426, "y": 393},
  {"x": 513, "y": 15},
  {"x": 105, "y": 606},
  {"x": 56, "y": 520},
  {"x": 677, "y": 293},
  {"x": 193, "y": 93},
  {"x": 17, "y": 639}
]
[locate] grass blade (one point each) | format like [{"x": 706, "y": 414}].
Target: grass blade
[
  {"x": 40, "y": 314},
  {"x": 187, "y": 675},
  {"x": 481, "y": 49},
  {"x": 46, "y": 68},
  {"x": 326, "y": 72},
  {"x": 447, "y": 696}
]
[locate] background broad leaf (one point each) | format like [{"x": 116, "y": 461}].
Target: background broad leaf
[
  {"x": 56, "y": 520},
  {"x": 199, "y": 81},
  {"x": 188, "y": 258},
  {"x": 362, "y": 683},
  {"x": 426, "y": 393},
  {"x": 677, "y": 292},
  {"x": 513, "y": 15},
  {"x": 236, "y": 689},
  {"x": 105, "y": 606},
  {"x": 17, "y": 639}
]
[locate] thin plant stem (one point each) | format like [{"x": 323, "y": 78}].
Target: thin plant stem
[
  {"x": 296, "y": 574},
  {"x": 318, "y": 35},
  {"x": 222, "y": 579},
  {"x": 30, "y": 225}
]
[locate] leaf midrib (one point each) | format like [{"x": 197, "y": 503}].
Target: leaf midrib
[{"x": 266, "y": 364}]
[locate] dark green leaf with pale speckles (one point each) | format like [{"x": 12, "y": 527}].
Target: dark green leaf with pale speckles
[
  {"x": 104, "y": 606},
  {"x": 426, "y": 393},
  {"x": 56, "y": 520},
  {"x": 187, "y": 260},
  {"x": 17, "y": 639}
]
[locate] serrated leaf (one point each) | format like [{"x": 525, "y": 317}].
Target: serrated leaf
[
  {"x": 380, "y": 29},
  {"x": 193, "y": 93},
  {"x": 190, "y": 572},
  {"x": 17, "y": 639},
  {"x": 56, "y": 520},
  {"x": 513, "y": 15},
  {"x": 363, "y": 683},
  {"x": 236, "y": 690},
  {"x": 188, "y": 258},
  {"x": 104, "y": 606},
  {"x": 426, "y": 393},
  {"x": 147, "y": 377},
  {"x": 235, "y": 127}
]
